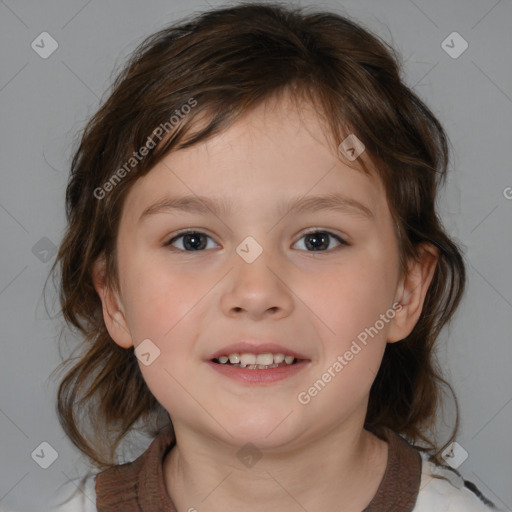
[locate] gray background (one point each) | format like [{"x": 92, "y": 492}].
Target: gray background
[{"x": 44, "y": 102}]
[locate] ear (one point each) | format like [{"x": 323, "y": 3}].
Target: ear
[
  {"x": 411, "y": 292},
  {"x": 113, "y": 312}
]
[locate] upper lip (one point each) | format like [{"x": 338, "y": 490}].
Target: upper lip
[{"x": 246, "y": 347}]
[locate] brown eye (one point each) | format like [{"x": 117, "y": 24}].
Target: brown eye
[
  {"x": 190, "y": 241},
  {"x": 321, "y": 240}
]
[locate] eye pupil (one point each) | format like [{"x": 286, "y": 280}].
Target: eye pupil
[
  {"x": 319, "y": 241},
  {"x": 194, "y": 241}
]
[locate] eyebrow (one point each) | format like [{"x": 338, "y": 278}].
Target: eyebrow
[{"x": 296, "y": 205}]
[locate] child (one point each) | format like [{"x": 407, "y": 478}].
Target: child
[{"x": 291, "y": 352}]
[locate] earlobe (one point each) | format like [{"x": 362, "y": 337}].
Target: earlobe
[
  {"x": 113, "y": 312},
  {"x": 412, "y": 291}
]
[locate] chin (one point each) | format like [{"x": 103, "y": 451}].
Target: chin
[{"x": 264, "y": 429}]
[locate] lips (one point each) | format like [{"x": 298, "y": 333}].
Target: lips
[
  {"x": 259, "y": 377},
  {"x": 229, "y": 360}
]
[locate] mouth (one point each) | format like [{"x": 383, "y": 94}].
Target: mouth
[
  {"x": 258, "y": 367},
  {"x": 250, "y": 361}
]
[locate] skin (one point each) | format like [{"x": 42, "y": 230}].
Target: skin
[{"x": 190, "y": 304}]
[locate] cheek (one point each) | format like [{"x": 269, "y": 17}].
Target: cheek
[
  {"x": 158, "y": 298},
  {"x": 355, "y": 306},
  {"x": 356, "y": 313},
  {"x": 353, "y": 296},
  {"x": 161, "y": 309}
]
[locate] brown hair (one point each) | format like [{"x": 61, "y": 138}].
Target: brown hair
[{"x": 228, "y": 61}]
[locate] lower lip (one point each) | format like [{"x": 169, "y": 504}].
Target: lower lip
[{"x": 256, "y": 376}]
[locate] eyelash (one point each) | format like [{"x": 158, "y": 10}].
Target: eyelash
[{"x": 181, "y": 234}]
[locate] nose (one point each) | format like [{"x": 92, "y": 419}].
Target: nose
[{"x": 257, "y": 288}]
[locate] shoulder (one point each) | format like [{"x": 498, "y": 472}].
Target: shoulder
[
  {"x": 444, "y": 490},
  {"x": 78, "y": 495}
]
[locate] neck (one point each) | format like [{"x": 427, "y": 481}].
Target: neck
[{"x": 341, "y": 471}]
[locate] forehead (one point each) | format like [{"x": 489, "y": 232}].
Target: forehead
[{"x": 272, "y": 154}]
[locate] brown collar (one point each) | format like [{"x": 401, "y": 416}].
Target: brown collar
[
  {"x": 399, "y": 487},
  {"x": 139, "y": 486}
]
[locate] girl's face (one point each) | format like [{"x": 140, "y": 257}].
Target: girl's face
[{"x": 251, "y": 274}]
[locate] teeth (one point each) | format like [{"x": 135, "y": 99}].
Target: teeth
[
  {"x": 246, "y": 359},
  {"x": 278, "y": 358},
  {"x": 264, "y": 359},
  {"x": 256, "y": 361}
]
